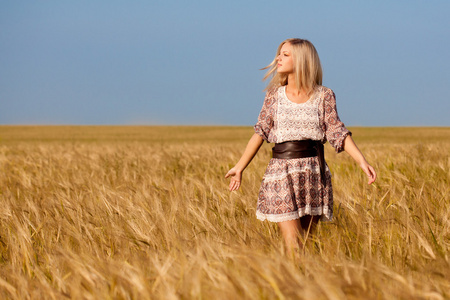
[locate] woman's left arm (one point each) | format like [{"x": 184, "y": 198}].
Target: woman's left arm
[{"x": 351, "y": 148}]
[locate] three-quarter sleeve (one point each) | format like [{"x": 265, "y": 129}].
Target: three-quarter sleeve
[
  {"x": 334, "y": 129},
  {"x": 265, "y": 122}
]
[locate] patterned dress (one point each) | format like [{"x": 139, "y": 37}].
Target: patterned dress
[{"x": 293, "y": 188}]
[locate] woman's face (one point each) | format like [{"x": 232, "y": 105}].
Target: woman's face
[{"x": 285, "y": 62}]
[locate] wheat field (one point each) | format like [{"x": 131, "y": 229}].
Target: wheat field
[{"x": 123, "y": 212}]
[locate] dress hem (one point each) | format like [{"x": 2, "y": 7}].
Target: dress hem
[{"x": 326, "y": 214}]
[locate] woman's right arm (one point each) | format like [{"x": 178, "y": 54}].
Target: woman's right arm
[
  {"x": 262, "y": 132},
  {"x": 250, "y": 151}
]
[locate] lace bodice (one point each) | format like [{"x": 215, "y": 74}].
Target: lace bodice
[
  {"x": 297, "y": 121},
  {"x": 317, "y": 119}
]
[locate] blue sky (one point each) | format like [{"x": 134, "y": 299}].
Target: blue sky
[{"x": 197, "y": 62}]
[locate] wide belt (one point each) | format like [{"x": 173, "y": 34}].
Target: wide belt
[{"x": 301, "y": 149}]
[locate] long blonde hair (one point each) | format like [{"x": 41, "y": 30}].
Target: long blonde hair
[{"x": 307, "y": 67}]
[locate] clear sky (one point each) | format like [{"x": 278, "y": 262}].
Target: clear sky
[{"x": 197, "y": 62}]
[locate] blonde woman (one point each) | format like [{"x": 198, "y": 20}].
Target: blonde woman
[{"x": 299, "y": 115}]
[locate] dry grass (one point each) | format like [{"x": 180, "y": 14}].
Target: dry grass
[{"x": 144, "y": 213}]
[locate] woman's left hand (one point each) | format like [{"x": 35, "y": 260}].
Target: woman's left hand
[{"x": 370, "y": 172}]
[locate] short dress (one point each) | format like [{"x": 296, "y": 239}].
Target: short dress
[{"x": 293, "y": 188}]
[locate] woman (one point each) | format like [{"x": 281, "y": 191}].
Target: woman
[{"x": 299, "y": 115}]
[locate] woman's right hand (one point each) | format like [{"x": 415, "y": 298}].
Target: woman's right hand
[
  {"x": 236, "y": 177},
  {"x": 250, "y": 151}
]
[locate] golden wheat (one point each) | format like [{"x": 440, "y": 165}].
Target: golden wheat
[{"x": 144, "y": 213}]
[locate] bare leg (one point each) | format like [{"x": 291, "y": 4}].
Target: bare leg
[
  {"x": 300, "y": 228},
  {"x": 291, "y": 231}
]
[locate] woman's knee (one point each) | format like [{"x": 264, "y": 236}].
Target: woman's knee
[{"x": 292, "y": 227}]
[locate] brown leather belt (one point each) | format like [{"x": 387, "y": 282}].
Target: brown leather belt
[{"x": 300, "y": 149}]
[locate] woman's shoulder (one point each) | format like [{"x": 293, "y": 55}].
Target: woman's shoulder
[
  {"x": 272, "y": 95},
  {"x": 273, "y": 90},
  {"x": 325, "y": 90},
  {"x": 326, "y": 93}
]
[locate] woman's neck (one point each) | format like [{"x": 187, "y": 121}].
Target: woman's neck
[{"x": 291, "y": 85}]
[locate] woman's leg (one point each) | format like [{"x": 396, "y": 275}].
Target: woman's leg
[
  {"x": 300, "y": 228},
  {"x": 291, "y": 231}
]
